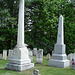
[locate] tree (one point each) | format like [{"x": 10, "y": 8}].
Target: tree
[{"x": 44, "y": 15}]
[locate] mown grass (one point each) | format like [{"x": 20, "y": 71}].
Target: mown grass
[{"x": 43, "y": 68}]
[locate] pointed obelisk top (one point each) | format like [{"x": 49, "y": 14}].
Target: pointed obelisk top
[
  {"x": 61, "y": 16},
  {"x": 60, "y": 36}
]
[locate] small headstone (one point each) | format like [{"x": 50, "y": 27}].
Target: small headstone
[
  {"x": 39, "y": 56},
  {"x": 4, "y": 54},
  {"x": 71, "y": 56},
  {"x": 36, "y": 72},
  {"x": 10, "y": 54},
  {"x": 72, "y": 64},
  {"x": 35, "y": 51},
  {"x": 52, "y": 52},
  {"x": 31, "y": 55},
  {"x": 48, "y": 56},
  {"x": 29, "y": 49},
  {"x": 0, "y": 56}
]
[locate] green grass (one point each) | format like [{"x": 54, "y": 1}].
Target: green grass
[{"x": 43, "y": 68}]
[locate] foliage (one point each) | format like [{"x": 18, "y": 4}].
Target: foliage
[
  {"x": 44, "y": 15},
  {"x": 8, "y": 26},
  {"x": 41, "y": 23}
]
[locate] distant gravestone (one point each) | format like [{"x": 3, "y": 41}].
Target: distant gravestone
[
  {"x": 39, "y": 56},
  {"x": 48, "y": 56},
  {"x": 29, "y": 49},
  {"x": 36, "y": 72},
  {"x": 0, "y": 56},
  {"x": 34, "y": 51},
  {"x": 52, "y": 52},
  {"x": 69, "y": 56},
  {"x": 72, "y": 64},
  {"x": 31, "y": 55},
  {"x": 4, "y": 54},
  {"x": 10, "y": 54}
]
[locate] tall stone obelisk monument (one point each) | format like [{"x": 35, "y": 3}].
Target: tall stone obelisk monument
[
  {"x": 20, "y": 59},
  {"x": 59, "y": 58}
]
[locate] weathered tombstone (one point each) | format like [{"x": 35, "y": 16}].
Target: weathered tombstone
[
  {"x": 35, "y": 51},
  {"x": 72, "y": 64},
  {"x": 10, "y": 53},
  {"x": 31, "y": 56},
  {"x": 29, "y": 49},
  {"x": 36, "y": 72},
  {"x": 20, "y": 59},
  {"x": 0, "y": 56},
  {"x": 48, "y": 56},
  {"x": 39, "y": 56},
  {"x": 52, "y": 52},
  {"x": 4, "y": 54},
  {"x": 69, "y": 56},
  {"x": 59, "y": 58}
]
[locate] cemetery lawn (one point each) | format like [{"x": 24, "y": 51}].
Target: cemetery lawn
[{"x": 43, "y": 68}]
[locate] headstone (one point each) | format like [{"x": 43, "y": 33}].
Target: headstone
[
  {"x": 48, "y": 56},
  {"x": 4, "y": 54},
  {"x": 72, "y": 64},
  {"x": 71, "y": 56},
  {"x": 59, "y": 58},
  {"x": 10, "y": 53},
  {"x": 20, "y": 59},
  {"x": 35, "y": 51},
  {"x": 39, "y": 56},
  {"x": 36, "y": 72},
  {"x": 31, "y": 56},
  {"x": 29, "y": 49},
  {"x": 0, "y": 56},
  {"x": 52, "y": 52}
]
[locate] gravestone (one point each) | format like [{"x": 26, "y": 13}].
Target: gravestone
[
  {"x": 31, "y": 56},
  {"x": 39, "y": 56},
  {"x": 71, "y": 56},
  {"x": 20, "y": 59},
  {"x": 36, "y": 72},
  {"x": 4, "y": 54},
  {"x": 35, "y": 51},
  {"x": 48, "y": 56},
  {"x": 72, "y": 64},
  {"x": 10, "y": 53},
  {"x": 52, "y": 52},
  {"x": 29, "y": 49},
  {"x": 0, "y": 56},
  {"x": 59, "y": 58}
]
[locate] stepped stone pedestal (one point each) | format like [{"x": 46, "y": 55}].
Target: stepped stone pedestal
[
  {"x": 20, "y": 58},
  {"x": 59, "y": 57}
]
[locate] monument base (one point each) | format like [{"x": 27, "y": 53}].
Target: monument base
[
  {"x": 59, "y": 63},
  {"x": 18, "y": 67},
  {"x": 20, "y": 60}
]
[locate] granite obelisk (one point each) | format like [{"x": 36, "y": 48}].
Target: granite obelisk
[
  {"x": 20, "y": 58},
  {"x": 59, "y": 58}
]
